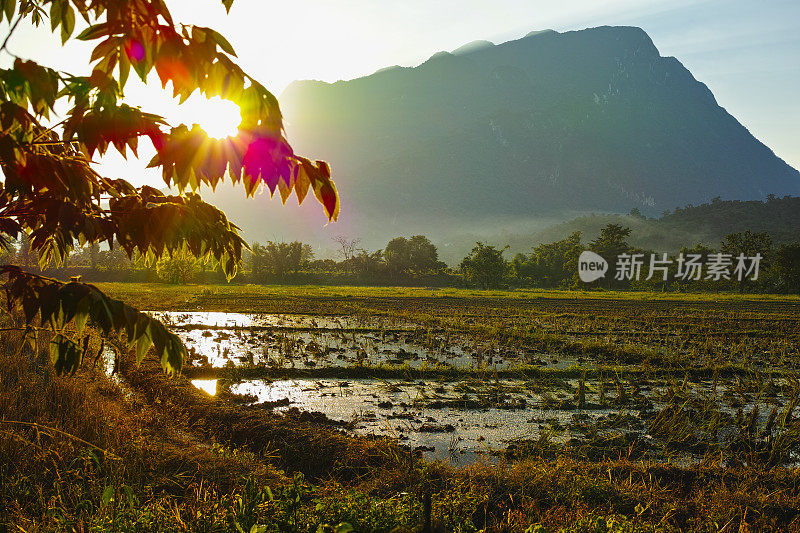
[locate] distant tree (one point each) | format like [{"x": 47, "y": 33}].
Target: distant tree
[
  {"x": 556, "y": 264},
  {"x": 398, "y": 255},
  {"x": 415, "y": 255},
  {"x": 26, "y": 256},
  {"x": 610, "y": 244},
  {"x": 636, "y": 213},
  {"x": 306, "y": 254},
  {"x": 485, "y": 266},
  {"x": 424, "y": 255},
  {"x": 368, "y": 264},
  {"x": 347, "y": 250},
  {"x": 117, "y": 260},
  {"x": 786, "y": 267},
  {"x": 322, "y": 265},
  {"x": 94, "y": 255},
  {"x": 276, "y": 259},
  {"x": 748, "y": 244},
  {"x": 523, "y": 269},
  {"x": 685, "y": 282}
]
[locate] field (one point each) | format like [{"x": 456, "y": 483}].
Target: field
[{"x": 302, "y": 408}]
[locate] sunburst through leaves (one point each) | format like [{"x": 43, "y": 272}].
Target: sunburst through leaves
[{"x": 218, "y": 117}]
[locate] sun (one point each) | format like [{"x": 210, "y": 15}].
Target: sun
[{"x": 219, "y": 118}]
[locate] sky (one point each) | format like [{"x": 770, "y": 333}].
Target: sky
[{"x": 745, "y": 51}]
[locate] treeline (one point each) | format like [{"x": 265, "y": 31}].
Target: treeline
[
  {"x": 765, "y": 267},
  {"x": 415, "y": 261},
  {"x": 404, "y": 261},
  {"x": 747, "y": 262}
]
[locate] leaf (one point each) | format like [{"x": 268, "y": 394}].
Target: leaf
[
  {"x": 93, "y": 32},
  {"x": 108, "y": 494},
  {"x": 56, "y": 10},
  {"x": 81, "y": 314},
  {"x": 143, "y": 344},
  {"x": 103, "y": 49},
  {"x": 67, "y": 24},
  {"x": 221, "y": 41},
  {"x": 65, "y": 354},
  {"x": 124, "y": 70},
  {"x": 326, "y": 193},
  {"x": 9, "y": 7},
  {"x": 226, "y": 3}
]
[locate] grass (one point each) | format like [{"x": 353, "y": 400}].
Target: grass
[
  {"x": 162, "y": 296},
  {"x": 154, "y": 454}
]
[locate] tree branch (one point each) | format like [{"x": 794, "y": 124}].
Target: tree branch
[{"x": 10, "y": 33}]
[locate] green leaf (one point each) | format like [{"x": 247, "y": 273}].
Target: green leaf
[
  {"x": 227, "y": 4},
  {"x": 67, "y": 24},
  {"x": 221, "y": 41},
  {"x": 81, "y": 314},
  {"x": 56, "y": 11},
  {"x": 93, "y": 32},
  {"x": 143, "y": 343},
  {"x": 9, "y": 6},
  {"x": 108, "y": 494},
  {"x": 124, "y": 70}
]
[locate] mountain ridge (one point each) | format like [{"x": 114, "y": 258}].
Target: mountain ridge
[{"x": 604, "y": 92}]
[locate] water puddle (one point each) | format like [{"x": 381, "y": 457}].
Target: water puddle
[{"x": 457, "y": 422}]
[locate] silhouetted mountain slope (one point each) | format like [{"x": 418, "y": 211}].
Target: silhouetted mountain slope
[
  {"x": 707, "y": 223},
  {"x": 591, "y": 120}
]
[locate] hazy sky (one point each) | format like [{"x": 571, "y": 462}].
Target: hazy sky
[{"x": 746, "y": 51}]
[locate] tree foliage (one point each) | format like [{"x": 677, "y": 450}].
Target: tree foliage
[
  {"x": 787, "y": 267},
  {"x": 556, "y": 264},
  {"x": 275, "y": 260},
  {"x": 53, "y": 195},
  {"x": 416, "y": 254},
  {"x": 485, "y": 266}
]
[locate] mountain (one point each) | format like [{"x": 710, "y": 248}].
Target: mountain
[
  {"x": 502, "y": 137},
  {"x": 585, "y": 120}
]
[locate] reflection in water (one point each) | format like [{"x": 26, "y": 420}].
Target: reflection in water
[
  {"x": 206, "y": 385},
  {"x": 409, "y": 411}
]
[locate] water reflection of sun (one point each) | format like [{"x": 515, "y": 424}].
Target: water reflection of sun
[{"x": 206, "y": 385}]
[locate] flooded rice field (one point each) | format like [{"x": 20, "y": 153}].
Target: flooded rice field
[{"x": 485, "y": 405}]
